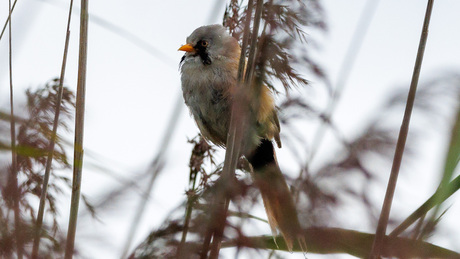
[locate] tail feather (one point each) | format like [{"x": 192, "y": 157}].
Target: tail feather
[{"x": 277, "y": 198}]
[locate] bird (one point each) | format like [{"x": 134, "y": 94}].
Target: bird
[{"x": 209, "y": 71}]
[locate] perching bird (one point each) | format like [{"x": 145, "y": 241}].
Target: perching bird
[{"x": 209, "y": 83}]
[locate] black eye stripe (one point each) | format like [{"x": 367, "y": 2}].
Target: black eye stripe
[
  {"x": 205, "y": 58},
  {"x": 201, "y": 44},
  {"x": 201, "y": 47}
]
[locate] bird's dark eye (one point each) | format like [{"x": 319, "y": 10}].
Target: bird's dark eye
[{"x": 204, "y": 43}]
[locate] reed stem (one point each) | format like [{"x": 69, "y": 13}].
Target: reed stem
[
  {"x": 391, "y": 187},
  {"x": 79, "y": 130},
  {"x": 49, "y": 159}
]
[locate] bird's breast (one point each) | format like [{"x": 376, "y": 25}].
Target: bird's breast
[{"x": 207, "y": 92}]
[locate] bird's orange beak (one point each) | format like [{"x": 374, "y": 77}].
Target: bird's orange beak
[{"x": 187, "y": 48}]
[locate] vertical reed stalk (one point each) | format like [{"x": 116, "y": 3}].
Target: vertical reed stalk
[
  {"x": 238, "y": 124},
  {"x": 385, "y": 213},
  {"x": 49, "y": 160},
  {"x": 230, "y": 152},
  {"x": 14, "y": 163},
  {"x": 79, "y": 129},
  {"x": 247, "y": 27}
]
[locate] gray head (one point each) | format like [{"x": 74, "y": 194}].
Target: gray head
[{"x": 210, "y": 42}]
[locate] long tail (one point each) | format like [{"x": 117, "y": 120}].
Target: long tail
[{"x": 277, "y": 198}]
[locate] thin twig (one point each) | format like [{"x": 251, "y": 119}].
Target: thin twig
[
  {"x": 49, "y": 160},
  {"x": 8, "y": 19},
  {"x": 154, "y": 170},
  {"x": 206, "y": 242},
  {"x": 385, "y": 213},
  {"x": 418, "y": 227},
  {"x": 188, "y": 216},
  {"x": 219, "y": 231},
  {"x": 198, "y": 154},
  {"x": 124, "y": 34},
  {"x": 79, "y": 130},
  {"x": 14, "y": 162},
  {"x": 345, "y": 70}
]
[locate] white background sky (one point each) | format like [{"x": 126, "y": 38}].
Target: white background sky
[{"x": 131, "y": 93}]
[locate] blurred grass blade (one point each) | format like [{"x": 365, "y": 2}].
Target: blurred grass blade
[
  {"x": 125, "y": 34},
  {"x": 336, "y": 240},
  {"x": 46, "y": 177},
  {"x": 154, "y": 170},
  {"x": 437, "y": 198},
  {"x": 79, "y": 129},
  {"x": 452, "y": 159},
  {"x": 445, "y": 190},
  {"x": 400, "y": 146},
  {"x": 453, "y": 153},
  {"x": 346, "y": 67}
]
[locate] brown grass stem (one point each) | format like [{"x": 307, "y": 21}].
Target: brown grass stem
[
  {"x": 79, "y": 130},
  {"x": 46, "y": 177},
  {"x": 391, "y": 187},
  {"x": 333, "y": 241}
]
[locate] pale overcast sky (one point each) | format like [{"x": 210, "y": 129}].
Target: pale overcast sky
[{"x": 131, "y": 91}]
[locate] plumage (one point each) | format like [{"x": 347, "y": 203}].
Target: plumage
[{"x": 209, "y": 83}]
